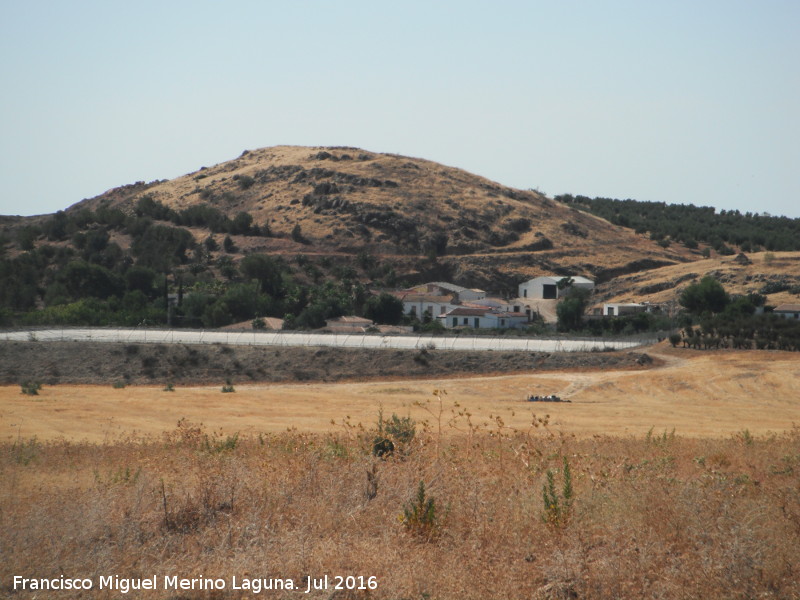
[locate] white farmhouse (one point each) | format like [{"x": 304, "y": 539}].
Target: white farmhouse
[
  {"x": 546, "y": 287},
  {"x": 788, "y": 311},
  {"x": 418, "y": 304},
  {"x": 482, "y": 318}
]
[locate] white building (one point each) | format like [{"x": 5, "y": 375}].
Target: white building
[
  {"x": 500, "y": 304},
  {"x": 618, "y": 309},
  {"x": 442, "y": 288},
  {"x": 788, "y": 311},
  {"x": 418, "y": 304},
  {"x": 546, "y": 287},
  {"x": 482, "y": 318}
]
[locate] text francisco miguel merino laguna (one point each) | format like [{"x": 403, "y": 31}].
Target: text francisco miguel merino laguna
[{"x": 174, "y": 582}]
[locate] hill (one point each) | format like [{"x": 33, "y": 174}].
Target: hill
[
  {"x": 308, "y": 232},
  {"x": 341, "y": 202}
]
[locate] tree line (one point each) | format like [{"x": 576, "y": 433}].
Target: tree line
[
  {"x": 692, "y": 225},
  {"x": 73, "y": 270},
  {"x": 714, "y": 319}
]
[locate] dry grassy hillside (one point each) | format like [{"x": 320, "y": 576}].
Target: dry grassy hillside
[
  {"x": 766, "y": 271},
  {"x": 347, "y": 200}
]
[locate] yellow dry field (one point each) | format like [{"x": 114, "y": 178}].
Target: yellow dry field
[{"x": 694, "y": 393}]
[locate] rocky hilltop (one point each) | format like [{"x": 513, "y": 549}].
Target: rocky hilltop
[{"x": 341, "y": 201}]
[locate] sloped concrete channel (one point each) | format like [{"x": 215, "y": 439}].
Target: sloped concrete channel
[{"x": 255, "y": 338}]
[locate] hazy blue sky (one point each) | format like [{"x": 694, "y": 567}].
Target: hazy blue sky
[{"x": 694, "y": 102}]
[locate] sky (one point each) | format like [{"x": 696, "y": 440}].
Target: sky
[{"x": 694, "y": 102}]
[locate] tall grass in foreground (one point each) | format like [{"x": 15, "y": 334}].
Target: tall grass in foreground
[{"x": 655, "y": 517}]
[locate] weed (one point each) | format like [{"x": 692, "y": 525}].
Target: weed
[
  {"x": 396, "y": 432},
  {"x": 659, "y": 439},
  {"x": 401, "y": 429},
  {"x": 215, "y": 444},
  {"x": 228, "y": 387},
  {"x": 118, "y": 384},
  {"x": 439, "y": 395},
  {"x": 372, "y": 482},
  {"x": 169, "y": 388},
  {"x": 558, "y": 510},
  {"x": 334, "y": 448},
  {"x": 745, "y": 437},
  {"x": 25, "y": 451},
  {"x": 420, "y": 516},
  {"x": 120, "y": 476}
]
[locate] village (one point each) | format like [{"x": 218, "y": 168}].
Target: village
[{"x": 458, "y": 307}]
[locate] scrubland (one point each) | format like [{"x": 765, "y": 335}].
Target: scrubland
[{"x": 652, "y": 516}]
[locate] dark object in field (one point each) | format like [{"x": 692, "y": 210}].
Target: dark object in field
[{"x": 551, "y": 398}]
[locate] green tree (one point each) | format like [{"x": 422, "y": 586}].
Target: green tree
[
  {"x": 384, "y": 308},
  {"x": 161, "y": 247},
  {"x": 85, "y": 280},
  {"x": 266, "y": 270},
  {"x": 706, "y": 296},
  {"x": 241, "y": 224},
  {"x": 142, "y": 279},
  {"x": 217, "y": 315},
  {"x": 571, "y": 309}
]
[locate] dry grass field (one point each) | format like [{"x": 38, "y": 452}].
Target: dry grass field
[
  {"x": 635, "y": 510},
  {"x": 695, "y": 393},
  {"x": 648, "y": 517}
]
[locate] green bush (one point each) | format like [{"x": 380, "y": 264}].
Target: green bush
[
  {"x": 31, "y": 388},
  {"x": 420, "y": 516}
]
